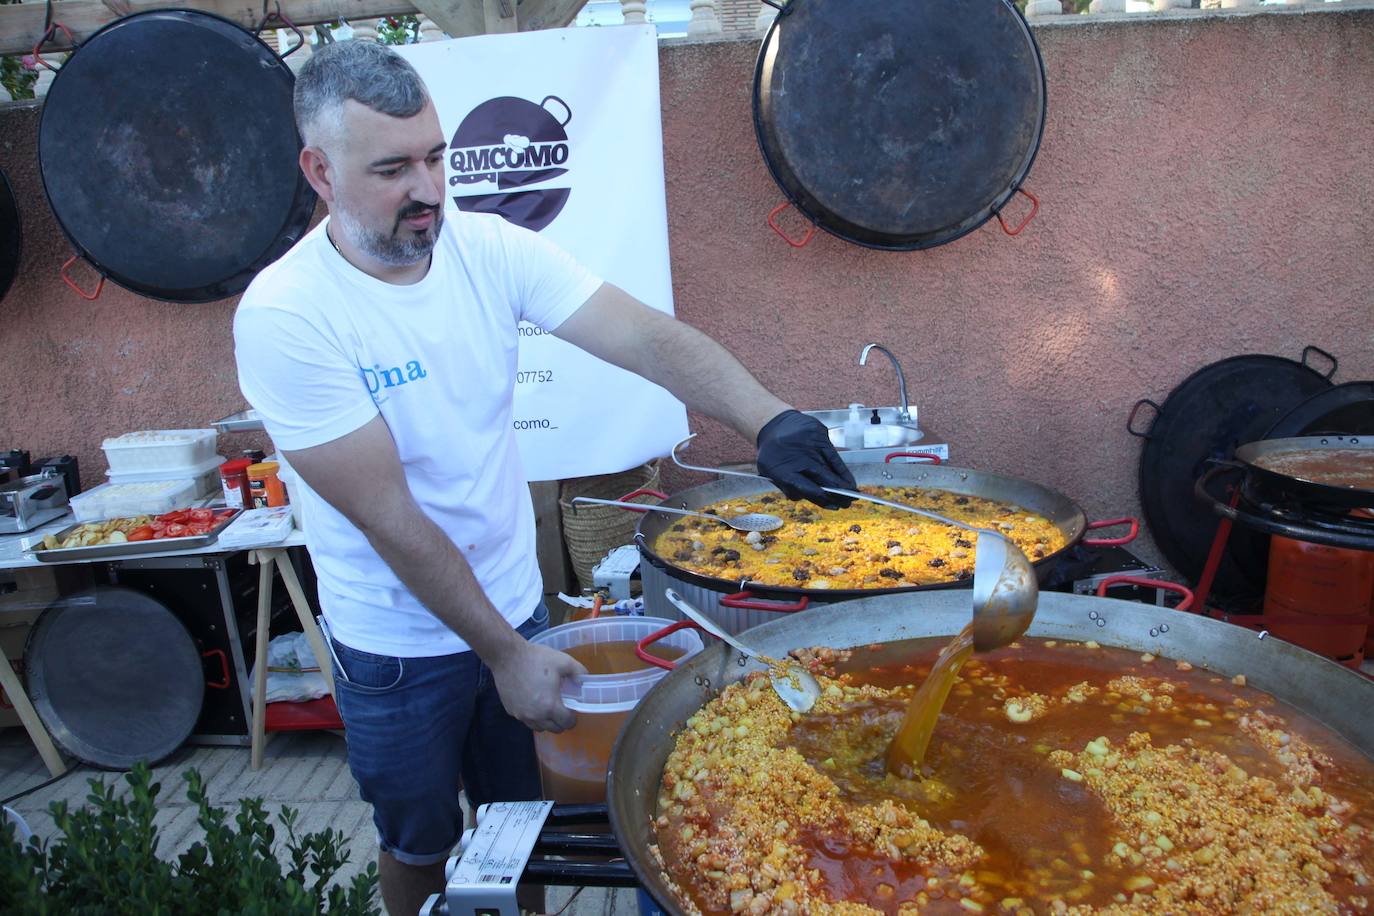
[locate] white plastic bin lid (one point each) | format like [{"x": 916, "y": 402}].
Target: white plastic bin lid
[{"x": 607, "y": 693}]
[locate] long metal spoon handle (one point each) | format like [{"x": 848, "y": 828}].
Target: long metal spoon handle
[
  {"x": 852, "y": 494},
  {"x": 724, "y": 473},
  {"x": 640, "y": 507},
  {"x": 855, "y": 494},
  {"x": 706, "y": 623}
]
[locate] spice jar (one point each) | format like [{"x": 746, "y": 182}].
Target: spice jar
[
  {"x": 233, "y": 477},
  {"x": 264, "y": 484}
]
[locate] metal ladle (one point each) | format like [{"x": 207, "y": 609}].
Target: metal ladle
[
  {"x": 749, "y": 521},
  {"x": 1005, "y": 589},
  {"x": 794, "y": 685}
]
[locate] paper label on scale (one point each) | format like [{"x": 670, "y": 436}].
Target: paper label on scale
[
  {"x": 502, "y": 843},
  {"x": 560, "y": 131}
]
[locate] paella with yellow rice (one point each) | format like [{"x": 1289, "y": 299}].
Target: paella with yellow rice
[{"x": 862, "y": 546}]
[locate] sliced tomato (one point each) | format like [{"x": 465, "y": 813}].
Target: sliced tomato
[
  {"x": 160, "y": 533},
  {"x": 222, "y": 514},
  {"x": 196, "y": 529},
  {"x": 142, "y": 533},
  {"x": 200, "y": 515},
  {"x": 157, "y": 524},
  {"x": 177, "y": 517},
  {"x": 176, "y": 530}
]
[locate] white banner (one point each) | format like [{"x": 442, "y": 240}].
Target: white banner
[{"x": 560, "y": 131}]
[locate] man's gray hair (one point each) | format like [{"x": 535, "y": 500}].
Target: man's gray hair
[{"x": 364, "y": 71}]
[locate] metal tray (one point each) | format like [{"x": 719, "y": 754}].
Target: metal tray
[
  {"x": 243, "y": 421},
  {"x": 129, "y": 548}
]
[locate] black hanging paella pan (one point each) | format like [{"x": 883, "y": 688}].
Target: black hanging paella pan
[
  {"x": 168, "y": 150},
  {"x": 900, "y": 125},
  {"x": 11, "y": 236}
]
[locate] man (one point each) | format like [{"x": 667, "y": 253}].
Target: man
[{"x": 381, "y": 353}]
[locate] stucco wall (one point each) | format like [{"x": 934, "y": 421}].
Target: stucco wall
[{"x": 1205, "y": 189}]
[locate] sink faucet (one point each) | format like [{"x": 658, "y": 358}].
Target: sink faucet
[{"x": 905, "y": 415}]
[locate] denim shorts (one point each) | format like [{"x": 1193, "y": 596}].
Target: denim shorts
[{"x": 421, "y": 729}]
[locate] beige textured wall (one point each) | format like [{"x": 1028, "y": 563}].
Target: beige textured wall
[{"x": 1205, "y": 189}]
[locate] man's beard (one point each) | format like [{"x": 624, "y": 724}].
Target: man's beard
[{"x": 399, "y": 248}]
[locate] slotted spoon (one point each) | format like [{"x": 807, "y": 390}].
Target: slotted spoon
[{"x": 794, "y": 685}]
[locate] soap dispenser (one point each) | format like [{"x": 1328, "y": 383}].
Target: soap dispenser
[{"x": 854, "y": 428}]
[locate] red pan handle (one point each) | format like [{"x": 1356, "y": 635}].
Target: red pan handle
[
  {"x": 642, "y": 492},
  {"x": 641, "y": 647},
  {"x": 773, "y": 224},
  {"x": 748, "y": 601},
  {"x": 223, "y": 683},
  {"x": 1185, "y": 605},
  {"x": 929, "y": 456},
  {"x": 66, "y": 278},
  {"x": 1109, "y": 523},
  {"x": 1035, "y": 208}
]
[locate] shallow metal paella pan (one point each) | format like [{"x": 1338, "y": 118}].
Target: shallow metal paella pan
[{"x": 1333, "y": 695}]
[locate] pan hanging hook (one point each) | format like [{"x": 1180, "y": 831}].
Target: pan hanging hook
[
  {"x": 274, "y": 14},
  {"x": 50, "y": 30}
]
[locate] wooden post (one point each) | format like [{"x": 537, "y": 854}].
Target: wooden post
[
  {"x": 548, "y": 537},
  {"x": 500, "y": 16},
  {"x": 258, "y": 739}
]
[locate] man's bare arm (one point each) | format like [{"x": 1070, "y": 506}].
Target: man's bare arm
[{"x": 427, "y": 561}]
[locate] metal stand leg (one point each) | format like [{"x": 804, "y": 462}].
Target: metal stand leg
[
  {"x": 1209, "y": 569},
  {"x": 29, "y": 716}
]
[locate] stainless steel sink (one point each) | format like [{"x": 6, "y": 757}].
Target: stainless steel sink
[
  {"x": 884, "y": 436},
  {"x": 886, "y": 415},
  {"x": 887, "y": 434}
]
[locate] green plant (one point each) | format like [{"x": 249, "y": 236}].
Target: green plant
[
  {"x": 398, "y": 30},
  {"x": 106, "y": 861}
]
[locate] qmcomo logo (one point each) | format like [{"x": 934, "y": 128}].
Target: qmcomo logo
[{"x": 512, "y": 143}]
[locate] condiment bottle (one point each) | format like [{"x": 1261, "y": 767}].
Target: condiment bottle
[
  {"x": 233, "y": 477},
  {"x": 265, "y": 485}
]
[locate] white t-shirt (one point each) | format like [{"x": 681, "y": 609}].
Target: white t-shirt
[{"x": 322, "y": 348}]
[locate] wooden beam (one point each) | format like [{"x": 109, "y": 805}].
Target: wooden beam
[
  {"x": 21, "y": 24},
  {"x": 458, "y": 18},
  {"x": 548, "y": 14}
]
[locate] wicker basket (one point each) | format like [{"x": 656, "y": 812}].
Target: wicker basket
[{"x": 593, "y": 531}]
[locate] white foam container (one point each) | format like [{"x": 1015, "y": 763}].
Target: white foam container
[
  {"x": 111, "y": 500},
  {"x": 159, "y": 449},
  {"x": 205, "y": 476}
]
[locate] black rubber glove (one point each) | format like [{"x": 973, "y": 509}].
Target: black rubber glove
[{"x": 795, "y": 453}]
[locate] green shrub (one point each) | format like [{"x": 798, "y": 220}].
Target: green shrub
[{"x": 105, "y": 861}]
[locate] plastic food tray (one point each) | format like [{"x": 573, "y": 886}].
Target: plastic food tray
[
  {"x": 129, "y": 548},
  {"x": 176, "y": 449},
  {"x": 106, "y": 501},
  {"x": 205, "y": 476}
]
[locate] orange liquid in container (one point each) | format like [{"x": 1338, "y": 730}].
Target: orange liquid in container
[
  {"x": 909, "y": 746},
  {"x": 572, "y": 763},
  {"x": 619, "y": 657},
  {"x": 1312, "y": 579}
]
